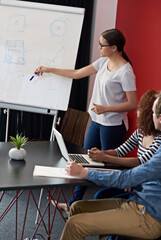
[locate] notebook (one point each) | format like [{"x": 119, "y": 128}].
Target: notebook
[{"x": 78, "y": 158}]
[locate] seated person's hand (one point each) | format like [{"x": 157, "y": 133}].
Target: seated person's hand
[
  {"x": 96, "y": 154},
  {"x": 77, "y": 170}
]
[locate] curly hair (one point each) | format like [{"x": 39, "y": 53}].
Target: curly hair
[{"x": 145, "y": 122}]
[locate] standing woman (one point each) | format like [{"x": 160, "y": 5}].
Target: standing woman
[{"x": 114, "y": 94}]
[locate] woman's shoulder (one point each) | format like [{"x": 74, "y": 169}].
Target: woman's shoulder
[
  {"x": 138, "y": 133},
  {"x": 126, "y": 67},
  {"x": 135, "y": 136},
  {"x": 100, "y": 62},
  {"x": 127, "y": 73}
]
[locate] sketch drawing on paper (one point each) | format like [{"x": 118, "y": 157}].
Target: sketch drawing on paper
[
  {"x": 14, "y": 52},
  {"x": 16, "y": 23},
  {"x": 60, "y": 32},
  {"x": 59, "y": 27},
  {"x": 32, "y": 37}
]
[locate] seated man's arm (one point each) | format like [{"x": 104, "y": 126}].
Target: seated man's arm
[{"x": 149, "y": 171}]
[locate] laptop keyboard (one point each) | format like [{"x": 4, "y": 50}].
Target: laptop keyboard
[{"x": 78, "y": 159}]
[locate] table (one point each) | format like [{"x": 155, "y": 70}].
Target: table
[
  {"x": 18, "y": 176},
  {"x": 15, "y": 175}
]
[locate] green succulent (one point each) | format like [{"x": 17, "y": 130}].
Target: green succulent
[{"x": 18, "y": 141}]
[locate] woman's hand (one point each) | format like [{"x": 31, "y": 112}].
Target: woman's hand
[
  {"x": 98, "y": 109},
  {"x": 97, "y": 155},
  {"x": 77, "y": 170},
  {"x": 40, "y": 70}
]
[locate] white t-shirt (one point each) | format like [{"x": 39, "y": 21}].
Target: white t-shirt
[{"x": 109, "y": 89}]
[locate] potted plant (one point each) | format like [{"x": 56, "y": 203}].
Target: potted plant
[{"x": 18, "y": 152}]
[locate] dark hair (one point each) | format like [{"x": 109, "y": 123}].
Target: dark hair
[
  {"x": 116, "y": 37},
  {"x": 145, "y": 118}
]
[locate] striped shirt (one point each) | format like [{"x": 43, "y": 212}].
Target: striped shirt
[{"x": 135, "y": 140}]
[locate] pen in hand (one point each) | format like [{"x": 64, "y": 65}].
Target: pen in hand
[{"x": 33, "y": 76}]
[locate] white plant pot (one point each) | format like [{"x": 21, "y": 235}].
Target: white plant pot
[{"x": 18, "y": 154}]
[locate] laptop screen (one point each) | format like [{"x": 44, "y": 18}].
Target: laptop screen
[{"x": 61, "y": 144}]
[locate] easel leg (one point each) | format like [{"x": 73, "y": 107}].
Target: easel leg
[
  {"x": 7, "y": 111},
  {"x": 53, "y": 126}
]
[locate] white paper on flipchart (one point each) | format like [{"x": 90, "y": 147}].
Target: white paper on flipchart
[{"x": 44, "y": 171}]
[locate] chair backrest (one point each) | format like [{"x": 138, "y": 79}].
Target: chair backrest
[{"x": 74, "y": 125}]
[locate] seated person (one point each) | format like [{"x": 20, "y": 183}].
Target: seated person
[
  {"x": 146, "y": 137},
  {"x": 139, "y": 216}
]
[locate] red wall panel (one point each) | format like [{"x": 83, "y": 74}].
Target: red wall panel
[{"x": 140, "y": 21}]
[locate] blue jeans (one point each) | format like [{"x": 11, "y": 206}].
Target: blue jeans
[
  {"x": 111, "y": 193},
  {"x": 104, "y": 138}
]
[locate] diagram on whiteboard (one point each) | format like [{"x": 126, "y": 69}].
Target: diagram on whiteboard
[
  {"x": 37, "y": 37},
  {"x": 14, "y": 52}
]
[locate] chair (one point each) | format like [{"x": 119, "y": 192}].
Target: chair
[
  {"x": 74, "y": 125},
  {"x": 73, "y": 129}
]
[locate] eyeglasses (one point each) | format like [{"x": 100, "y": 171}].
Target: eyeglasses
[{"x": 103, "y": 45}]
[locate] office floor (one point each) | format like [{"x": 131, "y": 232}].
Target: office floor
[{"x": 7, "y": 225}]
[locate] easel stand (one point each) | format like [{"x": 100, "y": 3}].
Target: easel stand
[
  {"x": 55, "y": 121},
  {"x": 7, "y": 111}
]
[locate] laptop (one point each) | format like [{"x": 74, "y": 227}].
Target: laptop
[{"x": 78, "y": 158}]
